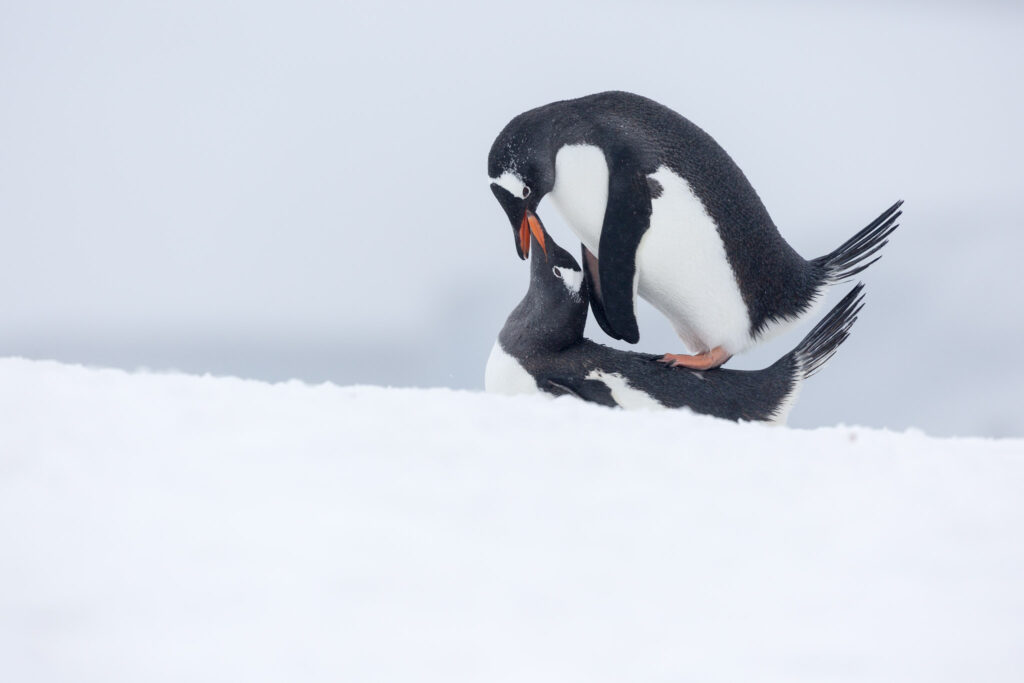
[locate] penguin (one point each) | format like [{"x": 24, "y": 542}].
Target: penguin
[
  {"x": 664, "y": 213},
  {"x": 541, "y": 349}
]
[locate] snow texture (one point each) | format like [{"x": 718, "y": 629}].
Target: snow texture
[{"x": 170, "y": 527}]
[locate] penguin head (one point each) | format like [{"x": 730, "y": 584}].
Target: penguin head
[
  {"x": 554, "y": 311},
  {"x": 521, "y": 168}
]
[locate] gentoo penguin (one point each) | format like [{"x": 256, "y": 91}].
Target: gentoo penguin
[
  {"x": 663, "y": 211},
  {"x": 541, "y": 348}
]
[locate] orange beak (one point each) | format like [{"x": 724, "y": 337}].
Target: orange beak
[{"x": 531, "y": 225}]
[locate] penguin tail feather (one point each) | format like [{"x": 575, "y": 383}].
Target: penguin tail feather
[
  {"x": 853, "y": 255},
  {"x": 824, "y": 340}
]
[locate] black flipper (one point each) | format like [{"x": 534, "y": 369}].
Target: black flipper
[
  {"x": 591, "y": 276},
  {"x": 626, "y": 219},
  {"x": 585, "y": 389}
]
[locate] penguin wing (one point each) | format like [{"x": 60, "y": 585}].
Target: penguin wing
[
  {"x": 626, "y": 219},
  {"x": 583, "y": 389}
]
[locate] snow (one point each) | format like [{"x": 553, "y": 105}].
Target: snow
[{"x": 165, "y": 527}]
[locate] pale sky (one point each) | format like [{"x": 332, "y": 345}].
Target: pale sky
[{"x": 299, "y": 189}]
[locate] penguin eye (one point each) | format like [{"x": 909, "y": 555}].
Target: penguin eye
[
  {"x": 526, "y": 191},
  {"x": 557, "y": 271}
]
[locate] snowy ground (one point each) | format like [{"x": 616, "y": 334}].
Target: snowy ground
[{"x": 170, "y": 528}]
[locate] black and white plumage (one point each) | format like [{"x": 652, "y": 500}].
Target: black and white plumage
[
  {"x": 541, "y": 348},
  {"x": 663, "y": 212}
]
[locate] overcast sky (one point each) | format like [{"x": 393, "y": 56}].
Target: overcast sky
[{"x": 299, "y": 189}]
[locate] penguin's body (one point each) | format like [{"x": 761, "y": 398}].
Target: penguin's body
[
  {"x": 541, "y": 348},
  {"x": 665, "y": 213}
]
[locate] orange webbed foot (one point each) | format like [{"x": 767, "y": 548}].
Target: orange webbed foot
[{"x": 702, "y": 361}]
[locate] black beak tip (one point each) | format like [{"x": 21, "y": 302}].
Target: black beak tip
[{"x": 515, "y": 208}]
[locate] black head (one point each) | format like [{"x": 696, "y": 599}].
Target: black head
[
  {"x": 521, "y": 167},
  {"x": 553, "y": 313}
]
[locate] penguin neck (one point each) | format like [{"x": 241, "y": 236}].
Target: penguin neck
[{"x": 551, "y": 316}]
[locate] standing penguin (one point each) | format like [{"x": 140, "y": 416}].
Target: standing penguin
[
  {"x": 541, "y": 348},
  {"x": 663, "y": 211}
]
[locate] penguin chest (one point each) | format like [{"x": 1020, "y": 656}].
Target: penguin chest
[
  {"x": 684, "y": 270},
  {"x": 581, "y": 191}
]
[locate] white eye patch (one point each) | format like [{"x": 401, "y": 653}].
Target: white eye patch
[
  {"x": 572, "y": 279},
  {"x": 511, "y": 182}
]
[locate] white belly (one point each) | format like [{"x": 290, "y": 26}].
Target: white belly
[
  {"x": 684, "y": 271},
  {"x": 581, "y": 191},
  {"x": 681, "y": 262},
  {"x": 504, "y": 374}
]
